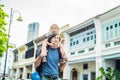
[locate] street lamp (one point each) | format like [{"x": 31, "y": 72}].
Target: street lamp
[{"x": 10, "y": 22}]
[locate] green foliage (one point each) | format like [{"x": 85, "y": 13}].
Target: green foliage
[
  {"x": 3, "y": 35},
  {"x": 110, "y": 74}
]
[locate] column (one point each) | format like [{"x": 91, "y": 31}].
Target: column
[
  {"x": 17, "y": 73},
  {"x": 33, "y": 67},
  {"x": 99, "y": 38},
  {"x": 66, "y": 72},
  {"x": 24, "y": 76}
]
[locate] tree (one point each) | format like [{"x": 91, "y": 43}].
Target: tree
[
  {"x": 3, "y": 34},
  {"x": 109, "y": 74}
]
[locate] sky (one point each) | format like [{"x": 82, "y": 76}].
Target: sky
[{"x": 48, "y": 12}]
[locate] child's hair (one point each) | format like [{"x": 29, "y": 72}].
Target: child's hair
[
  {"x": 51, "y": 36},
  {"x": 54, "y": 25}
]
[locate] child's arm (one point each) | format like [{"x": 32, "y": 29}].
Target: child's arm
[
  {"x": 44, "y": 46},
  {"x": 40, "y": 57}
]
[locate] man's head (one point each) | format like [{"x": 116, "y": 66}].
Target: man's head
[
  {"x": 54, "y": 39},
  {"x": 54, "y": 29}
]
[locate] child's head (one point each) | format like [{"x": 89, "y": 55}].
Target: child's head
[{"x": 54, "y": 29}]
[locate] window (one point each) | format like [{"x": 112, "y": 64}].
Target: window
[
  {"x": 94, "y": 41},
  {"x": 74, "y": 43},
  {"x": 15, "y": 57},
  {"x": 91, "y": 49},
  {"x": 107, "y": 35},
  {"x": 74, "y": 75},
  {"x": 29, "y": 53},
  {"x": 93, "y": 76},
  {"x": 82, "y": 30},
  {"x": 91, "y": 32},
  {"x": 85, "y": 76},
  {"x": 77, "y": 42},
  {"x": 83, "y": 39},
  {"x": 71, "y": 44},
  {"x": 72, "y": 53},
  {"x": 111, "y": 33},
  {"x": 107, "y": 45},
  {"x": 115, "y": 25},
  {"x": 82, "y": 51},
  {"x": 88, "y": 33},
  {"x": 28, "y": 75},
  {"x": 116, "y": 32},
  {"x": 95, "y": 36},
  {"x": 92, "y": 37},
  {"x": 87, "y": 38},
  {"x": 85, "y": 66},
  {"x": 71, "y": 39},
  {"x": 107, "y": 28},
  {"x": 117, "y": 43},
  {"x": 111, "y": 27}
]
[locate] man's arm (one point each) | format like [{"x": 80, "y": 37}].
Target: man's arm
[
  {"x": 63, "y": 54},
  {"x": 38, "y": 61},
  {"x": 64, "y": 58},
  {"x": 63, "y": 64}
]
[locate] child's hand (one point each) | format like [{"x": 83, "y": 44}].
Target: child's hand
[
  {"x": 54, "y": 45},
  {"x": 50, "y": 44}
]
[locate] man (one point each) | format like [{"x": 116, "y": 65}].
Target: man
[{"x": 49, "y": 69}]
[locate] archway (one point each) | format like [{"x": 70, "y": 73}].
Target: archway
[{"x": 74, "y": 74}]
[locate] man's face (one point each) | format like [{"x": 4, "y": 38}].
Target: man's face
[{"x": 55, "y": 40}]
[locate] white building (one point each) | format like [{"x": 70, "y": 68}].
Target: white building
[{"x": 93, "y": 44}]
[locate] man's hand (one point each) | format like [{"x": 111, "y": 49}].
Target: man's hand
[{"x": 63, "y": 61}]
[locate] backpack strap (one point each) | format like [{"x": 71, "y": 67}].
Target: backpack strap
[{"x": 60, "y": 53}]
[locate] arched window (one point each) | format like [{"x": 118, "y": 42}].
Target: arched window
[{"x": 74, "y": 74}]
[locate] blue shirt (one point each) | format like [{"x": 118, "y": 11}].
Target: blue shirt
[{"x": 51, "y": 66}]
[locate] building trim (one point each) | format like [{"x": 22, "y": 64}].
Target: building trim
[
  {"x": 82, "y": 60},
  {"x": 111, "y": 56}
]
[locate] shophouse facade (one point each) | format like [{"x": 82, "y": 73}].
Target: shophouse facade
[
  {"x": 93, "y": 44},
  {"x": 24, "y": 58}
]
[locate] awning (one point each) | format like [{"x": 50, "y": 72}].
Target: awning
[{"x": 82, "y": 60}]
